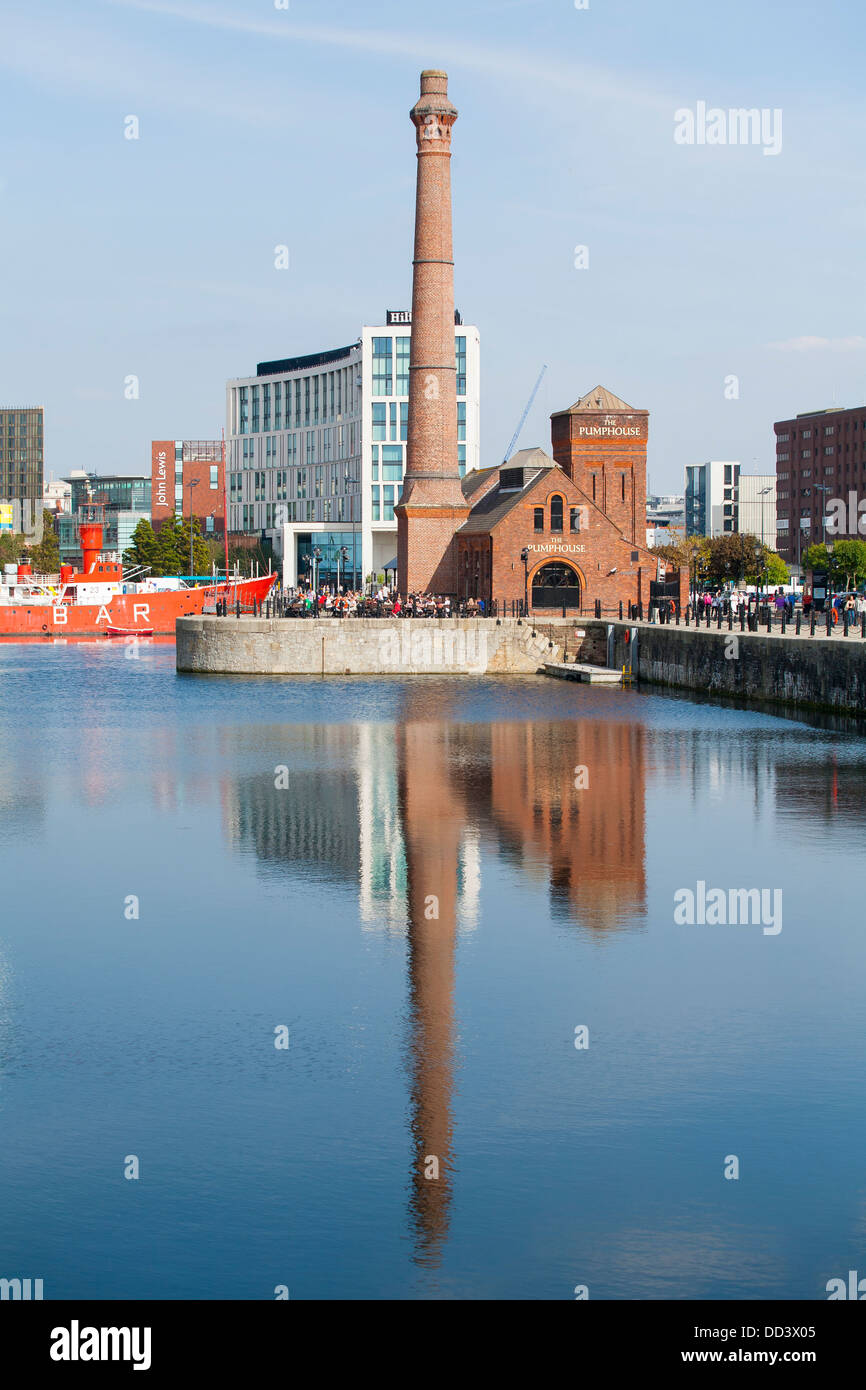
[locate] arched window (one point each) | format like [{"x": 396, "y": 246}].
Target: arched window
[
  {"x": 556, "y": 513},
  {"x": 539, "y": 518}
]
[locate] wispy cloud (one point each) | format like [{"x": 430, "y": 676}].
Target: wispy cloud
[
  {"x": 593, "y": 82},
  {"x": 812, "y": 344}
]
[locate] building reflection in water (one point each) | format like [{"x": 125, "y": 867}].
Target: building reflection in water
[{"x": 405, "y": 811}]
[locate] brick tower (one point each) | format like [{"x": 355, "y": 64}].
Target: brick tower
[{"x": 432, "y": 504}]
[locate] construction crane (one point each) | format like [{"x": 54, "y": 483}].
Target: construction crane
[{"x": 516, "y": 434}]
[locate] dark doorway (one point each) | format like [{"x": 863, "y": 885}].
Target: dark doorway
[{"x": 555, "y": 586}]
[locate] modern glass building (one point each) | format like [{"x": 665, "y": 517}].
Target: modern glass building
[
  {"x": 22, "y": 468},
  {"x": 316, "y": 449}
]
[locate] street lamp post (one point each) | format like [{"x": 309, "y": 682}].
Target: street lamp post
[
  {"x": 829, "y": 548},
  {"x": 193, "y": 482}
]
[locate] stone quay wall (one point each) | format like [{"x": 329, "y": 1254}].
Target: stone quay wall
[
  {"x": 810, "y": 672},
  {"x": 822, "y": 673},
  {"x": 373, "y": 646}
]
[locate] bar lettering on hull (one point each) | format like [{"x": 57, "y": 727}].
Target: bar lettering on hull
[
  {"x": 140, "y": 612},
  {"x": 59, "y": 616},
  {"x": 99, "y": 617}
]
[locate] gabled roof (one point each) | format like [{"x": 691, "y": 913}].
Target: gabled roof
[
  {"x": 599, "y": 398},
  {"x": 489, "y": 510}
]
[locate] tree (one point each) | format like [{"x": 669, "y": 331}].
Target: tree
[
  {"x": 11, "y": 547},
  {"x": 44, "y": 556},
  {"x": 849, "y": 560},
  {"x": 200, "y": 553},
  {"x": 144, "y": 547},
  {"x": 169, "y": 551}
]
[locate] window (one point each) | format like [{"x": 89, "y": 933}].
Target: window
[
  {"x": 593, "y": 486},
  {"x": 375, "y": 463},
  {"x": 393, "y": 435},
  {"x": 556, "y": 513},
  {"x": 214, "y": 475},
  {"x": 782, "y": 438},
  {"x": 392, "y": 463},
  {"x": 375, "y": 512},
  {"x": 387, "y": 504},
  {"x": 806, "y": 473},
  {"x": 575, "y": 518},
  {"x": 782, "y": 458},
  {"x": 829, "y": 429},
  {"x": 383, "y": 383},
  {"x": 278, "y": 405},
  {"x": 728, "y": 473},
  {"x": 460, "y": 358},
  {"x": 807, "y": 434},
  {"x": 403, "y": 366},
  {"x": 404, "y": 420},
  {"x": 538, "y": 514},
  {"x": 622, "y": 485},
  {"x": 829, "y": 449},
  {"x": 461, "y": 420},
  {"x": 255, "y": 409},
  {"x": 379, "y": 417}
]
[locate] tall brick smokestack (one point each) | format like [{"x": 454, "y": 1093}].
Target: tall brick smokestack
[{"x": 432, "y": 504}]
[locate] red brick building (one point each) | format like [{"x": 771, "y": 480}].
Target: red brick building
[
  {"x": 570, "y": 530},
  {"x": 177, "y": 463}
]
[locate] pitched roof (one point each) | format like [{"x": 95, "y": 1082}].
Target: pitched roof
[
  {"x": 472, "y": 481},
  {"x": 489, "y": 510},
  {"x": 599, "y": 398}
]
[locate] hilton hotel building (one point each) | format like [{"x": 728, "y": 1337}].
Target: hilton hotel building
[{"x": 316, "y": 449}]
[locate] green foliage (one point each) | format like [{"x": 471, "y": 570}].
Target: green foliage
[
  {"x": 200, "y": 553},
  {"x": 45, "y": 555},
  {"x": 845, "y": 564},
  {"x": 11, "y": 547},
  {"x": 169, "y": 558},
  {"x": 143, "y": 550}
]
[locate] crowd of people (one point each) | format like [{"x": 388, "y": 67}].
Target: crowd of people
[
  {"x": 784, "y": 604},
  {"x": 335, "y": 601}
]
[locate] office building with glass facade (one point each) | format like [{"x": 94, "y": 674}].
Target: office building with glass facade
[
  {"x": 316, "y": 450},
  {"x": 21, "y": 470}
]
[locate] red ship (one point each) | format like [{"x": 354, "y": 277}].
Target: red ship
[{"x": 100, "y": 599}]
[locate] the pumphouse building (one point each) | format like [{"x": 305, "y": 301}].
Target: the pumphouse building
[{"x": 569, "y": 530}]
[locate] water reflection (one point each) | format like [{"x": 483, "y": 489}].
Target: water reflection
[{"x": 405, "y": 813}]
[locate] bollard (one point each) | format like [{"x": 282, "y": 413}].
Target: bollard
[
  {"x": 863, "y": 624},
  {"x": 799, "y": 616},
  {"x": 829, "y": 624},
  {"x": 742, "y": 617},
  {"x": 237, "y": 608},
  {"x": 730, "y": 620},
  {"x": 719, "y": 622},
  {"x": 812, "y": 623},
  {"x": 784, "y": 622}
]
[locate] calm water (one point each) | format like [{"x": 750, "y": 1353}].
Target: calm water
[{"x": 413, "y": 1037}]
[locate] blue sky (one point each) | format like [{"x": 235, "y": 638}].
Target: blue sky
[{"x": 262, "y": 126}]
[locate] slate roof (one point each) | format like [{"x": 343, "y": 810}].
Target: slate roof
[
  {"x": 599, "y": 398},
  {"x": 495, "y": 504}
]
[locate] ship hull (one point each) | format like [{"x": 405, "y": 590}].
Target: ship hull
[{"x": 154, "y": 613}]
